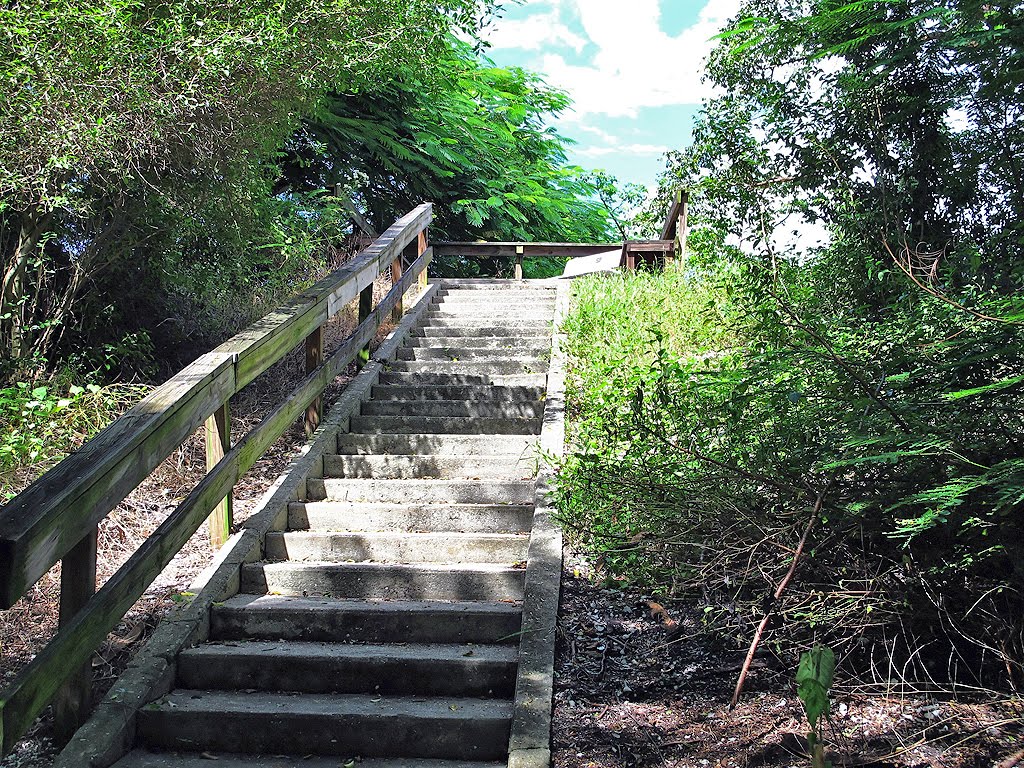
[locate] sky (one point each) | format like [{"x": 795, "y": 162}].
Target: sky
[{"x": 632, "y": 67}]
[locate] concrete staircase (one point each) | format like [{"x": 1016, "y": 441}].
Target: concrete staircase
[{"x": 384, "y": 624}]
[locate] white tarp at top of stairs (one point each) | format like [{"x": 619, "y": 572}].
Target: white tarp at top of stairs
[{"x": 607, "y": 261}]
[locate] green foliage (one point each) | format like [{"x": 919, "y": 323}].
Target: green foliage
[
  {"x": 619, "y": 328},
  {"x": 813, "y": 681},
  {"x": 709, "y": 407},
  {"x": 474, "y": 138},
  {"x": 139, "y": 144},
  {"x": 43, "y": 423},
  {"x": 880, "y": 370}
]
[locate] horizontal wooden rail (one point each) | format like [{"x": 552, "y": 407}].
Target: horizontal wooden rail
[
  {"x": 81, "y": 490},
  {"x": 520, "y": 251},
  {"x": 39, "y": 526},
  {"x": 502, "y": 250}
]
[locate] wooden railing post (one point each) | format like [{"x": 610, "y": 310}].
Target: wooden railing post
[
  {"x": 519, "y": 262},
  {"x": 421, "y": 247},
  {"x": 396, "y": 275},
  {"x": 410, "y": 253},
  {"x": 314, "y": 357},
  {"x": 77, "y": 585},
  {"x": 365, "y": 308},
  {"x": 681, "y": 225},
  {"x": 218, "y": 443}
]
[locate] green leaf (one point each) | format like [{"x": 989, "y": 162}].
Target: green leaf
[
  {"x": 813, "y": 681},
  {"x": 995, "y": 386}
]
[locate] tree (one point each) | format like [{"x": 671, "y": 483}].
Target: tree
[
  {"x": 887, "y": 121},
  {"x": 126, "y": 122},
  {"x": 881, "y": 370},
  {"x": 476, "y": 140}
]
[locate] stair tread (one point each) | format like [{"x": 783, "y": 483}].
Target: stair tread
[
  {"x": 225, "y": 649},
  {"x": 395, "y": 547},
  {"x": 404, "y": 535},
  {"x": 431, "y": 466},
  {"x": 144, "y": 759},
  {"x": 452, "y": 708},
  {"x": 432, "y": 443},
  {"x": 334, "y": 604},
  {"x": 464, "y": 506},
  {"x": 417, "y": 483},
  {"x": 425, "y": 567}
]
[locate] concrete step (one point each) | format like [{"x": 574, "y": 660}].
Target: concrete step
[
  {"x": 474, "y": 393},
  {"x": 387, "y": 670},
  {"x": 454, "y": 354},
  {"x": 470, "y": 330},
  {"x": 533, "y": 409},
  {"x": 421, "y": 491},
  {"x": 396, "y": 547},
  {"x": 508, "y": 297},
  {"x": 494, "y": 307},
  {"x": 479, "y": 317},
  {"x": 434, "y": 378},
  {"x": 513, "y": 309},
  {"x": 485, "y": 368},
  {"x": 531, "y": 326},
  {"x": 514, "y": 342},
  {"x": 504, "y": 288},
  {"x": 273, "y": 617},
  {"x": 384, "y": 467},
  {"x": 463, "y": 518},
  {"x": 351, "y": 443},
  {"x": 328, "y": 724},
  {"x": 494, "y": 283},
  {"x": 444, "y": 425},
  {"x": 143, "y": 759},
  {"x": 390, "y": 581}
]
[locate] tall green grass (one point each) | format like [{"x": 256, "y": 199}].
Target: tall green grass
[
  {"x": 620, "y": 328},
  {"x": 709, "y": 412}
]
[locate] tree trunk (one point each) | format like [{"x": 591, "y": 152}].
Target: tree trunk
[{"x": 13, "y": 315}]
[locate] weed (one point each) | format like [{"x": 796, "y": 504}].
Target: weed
[{"x": 45, "y": 422}]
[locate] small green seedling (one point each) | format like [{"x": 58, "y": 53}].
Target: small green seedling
[{"x": 813, "y": 681}]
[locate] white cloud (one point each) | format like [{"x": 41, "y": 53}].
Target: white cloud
[
  {"x": 636, "y": 64},
  {"x": 534, "y": 33},
  {"x": 623, "y": 149},
  {"x": 602, "y": 134}
]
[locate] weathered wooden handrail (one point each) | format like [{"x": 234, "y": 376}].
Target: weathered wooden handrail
[
  {"x": 60, "y": 511},
  {"x": 671, "y": 245},
  {"x": 519, "y": 251}
]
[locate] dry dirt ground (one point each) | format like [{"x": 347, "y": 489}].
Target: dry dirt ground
[{"x": 630, "y": 693}]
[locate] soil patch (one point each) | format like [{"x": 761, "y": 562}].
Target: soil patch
[{"x": 633, "y": 690}]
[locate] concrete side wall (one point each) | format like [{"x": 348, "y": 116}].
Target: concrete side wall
[{"x": 530, "y": 743}]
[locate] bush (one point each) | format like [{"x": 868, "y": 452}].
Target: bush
[{"x": 710, "y": 409}]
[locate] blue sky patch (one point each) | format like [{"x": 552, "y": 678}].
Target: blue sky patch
[{"x": 633, "y": 70}]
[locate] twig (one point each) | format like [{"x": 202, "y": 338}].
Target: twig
[
  {"x": 908, "y": 270},
  {"x": 775, "y": 598}
]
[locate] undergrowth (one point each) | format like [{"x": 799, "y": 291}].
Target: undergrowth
[
  {"x": 719, "y": 414},
  {"x": 43, "y": 422}
]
